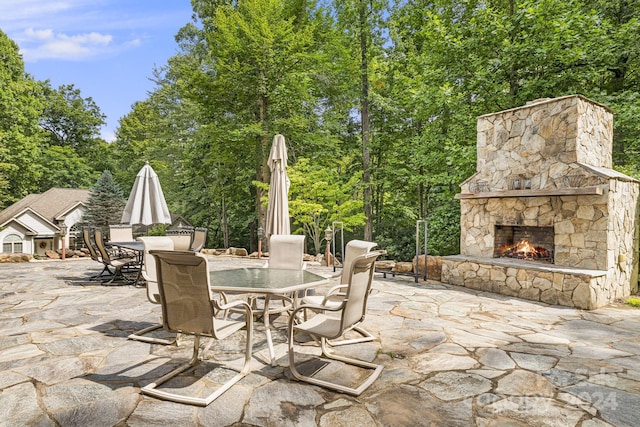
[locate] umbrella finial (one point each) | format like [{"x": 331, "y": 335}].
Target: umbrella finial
[{"x": 146, "y": 162}]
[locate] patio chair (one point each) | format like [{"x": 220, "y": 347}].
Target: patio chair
[
  {"x": 351, "y": 311},
  {"x": 286, "y": 251},
  {"x": 199, "y": 239},
  {"x": 120, "y": 233},
  {"x": 89, "y": 243},
  {"x": 181, "y": 242},
  {"x": 150, "y": 275},
  {"x": 353, "y": 249},
  {"x": 118, "y": 262},
  {"x": 182, "y": 238},
  {"x": 188, "y": 308}
]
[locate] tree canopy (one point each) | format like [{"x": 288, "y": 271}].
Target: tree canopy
[{"x": 377, "y": 100}]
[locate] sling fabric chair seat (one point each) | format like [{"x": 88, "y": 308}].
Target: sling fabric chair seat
[
  {"x": 188, "y": 308},
  {"x": 89, "y": 239},
  {"x": 352, "y": 310},
  {"x": 150, "y": 275},
  {"x": 333, "y": 297}
]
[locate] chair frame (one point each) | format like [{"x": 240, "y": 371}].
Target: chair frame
[
  {"x": 149, "y": 273},
  {"x": 86, "y": 237},
  {"x": 117, "y": 263},
  {"x": 196, "y": 260},
  {"x": 352, "y": 250},
  {"x": 361, "y": 264},
  {"x": 199, "y": 239}
]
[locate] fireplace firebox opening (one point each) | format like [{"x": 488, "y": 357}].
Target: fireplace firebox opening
[{"x": 524, "y": 243}]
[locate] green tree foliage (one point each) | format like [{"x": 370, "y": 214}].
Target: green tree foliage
[
  {"x": 71, "y": 120},
  {"x": 377, "y": 100},
  {"x": 106, "y": 203},
  {"x": 361, "y": 22},
  {"x": 20, "y": 137},
  {"x": 321, "y": 195},
  {"x": 74, "y": 153},
  {"x": 255, "y": 81},
  {"x": 65, "y": 169}
]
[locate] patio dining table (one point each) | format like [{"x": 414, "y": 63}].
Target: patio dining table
[{"x": 267, "y": 282}]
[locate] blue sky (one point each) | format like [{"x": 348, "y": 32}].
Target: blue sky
[{"x": 105, "y": 48}]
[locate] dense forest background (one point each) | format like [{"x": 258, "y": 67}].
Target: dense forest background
[{"x": 377, "y": 100}]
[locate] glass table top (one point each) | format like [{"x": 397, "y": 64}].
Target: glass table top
[{"x": 263, "y": 279}]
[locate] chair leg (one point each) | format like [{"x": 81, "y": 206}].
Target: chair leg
[
  {"x": 151, "y": 389},
  {"x": 355, "y": 391},
  {"x": 139, "y": 336},
  {"x": 117, "y": 276},
  {"x": 102, "y": 276}
]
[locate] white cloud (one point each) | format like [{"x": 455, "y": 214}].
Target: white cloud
[
  {"x": 74, "y": 30},
  {"x": 47, "y": 44}
]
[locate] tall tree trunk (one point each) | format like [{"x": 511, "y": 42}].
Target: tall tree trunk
[
  {"x": 225, "y": 223},
  {"x": 364, "y": 116},
  {"x": 513, "y": 78},
  {"x": 262, "y": 156}
]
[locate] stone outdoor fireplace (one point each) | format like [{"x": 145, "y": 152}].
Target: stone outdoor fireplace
[{"x": 545, "y": 217}]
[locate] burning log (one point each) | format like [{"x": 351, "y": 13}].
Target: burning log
[{"x": 526, "y": 250}]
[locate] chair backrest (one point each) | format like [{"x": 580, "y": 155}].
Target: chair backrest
[
  {"x": 183, "y": 282},
  {"x": 181, "y": 242},
  {"x": 99, "y": 240},
  {"x": 354, "y": 249},
  {"x": 286, "y": 251},
  {"x": 149, "y": 270},
  {"x": 120, "y": 233},
  {"x": 360, "y": 278},
  {"x": 86, "y": 237},
  {"x": 199, "y": 239}
]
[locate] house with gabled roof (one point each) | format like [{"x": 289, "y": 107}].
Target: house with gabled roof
[{"x": 33, "y": 224}]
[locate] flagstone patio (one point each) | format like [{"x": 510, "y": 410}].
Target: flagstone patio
[{"x": 452, "y": 356}]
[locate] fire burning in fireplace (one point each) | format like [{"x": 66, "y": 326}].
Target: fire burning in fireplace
[{"x": 526, "y": 250}]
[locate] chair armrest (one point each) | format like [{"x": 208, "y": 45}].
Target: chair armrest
[
  {"x": 234, "y": 304},
  {"x": 334, "y": 292},
  {"x": 316, "y": 307}
]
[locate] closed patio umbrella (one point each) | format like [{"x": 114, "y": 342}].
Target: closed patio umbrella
[
  {"x": 146, "y": 204},
  {"x": 278, "y": 205}
]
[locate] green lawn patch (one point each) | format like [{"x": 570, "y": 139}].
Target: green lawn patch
[{"x": 634, "y": 301}]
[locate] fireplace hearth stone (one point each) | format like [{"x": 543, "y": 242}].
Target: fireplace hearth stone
[{"x": 548, "y": 283}]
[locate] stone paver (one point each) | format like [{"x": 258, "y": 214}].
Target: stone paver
[{"x": 452, "y": 356}]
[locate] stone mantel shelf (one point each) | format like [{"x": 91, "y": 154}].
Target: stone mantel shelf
[{"x": 582, "y": 191}]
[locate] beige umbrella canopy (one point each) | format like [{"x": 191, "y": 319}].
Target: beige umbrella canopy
[
  {"x": 278, "y": 207},
  {"x": 146, "y": 204}
]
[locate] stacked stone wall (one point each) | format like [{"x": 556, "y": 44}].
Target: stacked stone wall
[
  {"x": 623, "y": 238},
  {"x": 543, "y": 142}
]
